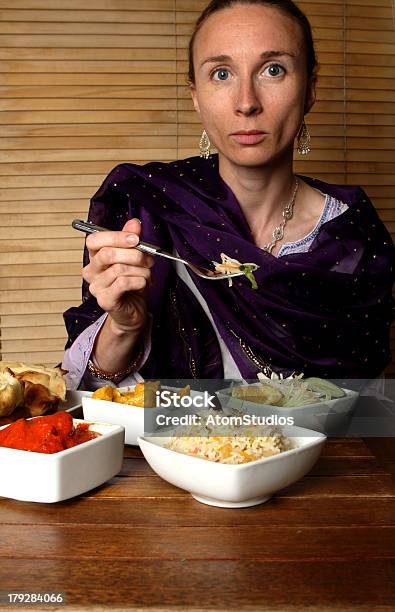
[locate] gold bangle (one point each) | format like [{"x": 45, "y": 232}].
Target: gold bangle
[{"x": 114, "y": 377}]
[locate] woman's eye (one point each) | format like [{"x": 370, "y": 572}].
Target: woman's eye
[
  {"x": 220, "y": 75},
  {"x": 274, "y": 70}
]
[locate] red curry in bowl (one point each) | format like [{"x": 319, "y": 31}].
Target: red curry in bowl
[{"x": 46, "y": 434}]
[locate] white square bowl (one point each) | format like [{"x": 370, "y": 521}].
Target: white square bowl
[
  {"x": 326, "y": 417},
  {"x": 48, "y": 478},
  {"x": 235, "y": 486},
  {"x": 136, "y": 420},
  {"x": 129, "y": 417}
]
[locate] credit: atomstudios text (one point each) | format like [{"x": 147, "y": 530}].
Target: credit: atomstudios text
[{"x": 206, "y": 402}]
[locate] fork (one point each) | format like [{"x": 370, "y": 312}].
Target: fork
[{"x": 152, "y": 249}]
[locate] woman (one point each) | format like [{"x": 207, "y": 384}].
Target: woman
[{"x": 323, "y": 304}]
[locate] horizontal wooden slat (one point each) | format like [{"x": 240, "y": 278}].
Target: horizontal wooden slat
[
  {"x": 102, "y": 66},
  {"x": 40, "y": 295},
  {"x": 371, "y": 36},
  {"x": 63, "y": 92},
  {"x": 86, "y": 129},
  {"x": 10, "y": 321},
  {"x": 27, "y": 283},
  {"x": 43, "y": 344},
  {"x": 371, "y": 11},
  {"x": 44, "y": 206},
  {"x": 210, "y": 542},
  {"x": 50, "y": 250},
  {"x": 370, "y": 23},
  {"x": 31, "y": 333},
  {"x": 357, "y": 85},
  {"x": 90, "y": 142},
  {"x": 85, "y": 53},
  {"x": 46, "y": 193},
  {"x": 115, "y": 155},
  {"x": 370, "y": 119},
  {"x": 129, "y": 5},
  {"x": 51, "y": 181},
  {"x": 87, "y": 116},
  {"x": 384, "y": 95},
  {"x": 76, "y": 29},
  {"x": 360, "y": 61},
  {"x": 88, "y": 16},
  {"x": 374, "y": 48},
  {"x": 90, "y": 40},
  {"x": 28, "y": 308},
  {"x": 41, "y": 79},
  {"x": 15, "y": 273},
  {"x": 178, "y": 512},
  {"x": 13, "y": 254},
  {"x": 51, "y": 358}
]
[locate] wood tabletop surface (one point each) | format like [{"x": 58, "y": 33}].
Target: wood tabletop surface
[{"x": 137, "y": 542}]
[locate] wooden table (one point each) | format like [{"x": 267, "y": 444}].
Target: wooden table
[{"x": 325, "y": 543}]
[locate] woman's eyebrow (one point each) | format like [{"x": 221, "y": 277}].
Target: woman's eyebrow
[
  {"x": 216, "y": 58},
  {"x": 267, "y": 54},
  {"x": 264, "y": 55}
]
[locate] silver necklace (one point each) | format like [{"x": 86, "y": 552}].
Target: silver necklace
[{"x": 288, "y": 211}]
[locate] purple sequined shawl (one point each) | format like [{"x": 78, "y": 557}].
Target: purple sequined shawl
[{"x": 325, "y": 312}]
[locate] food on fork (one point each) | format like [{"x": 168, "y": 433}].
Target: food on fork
[{"x": 230, "y": 266}]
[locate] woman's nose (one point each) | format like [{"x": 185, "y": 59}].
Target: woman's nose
[{"x": 248, "y": 102}]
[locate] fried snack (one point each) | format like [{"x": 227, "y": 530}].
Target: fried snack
[
  {"x": 37, "y": 399},
  {"x": 133, "y": 398},
  {"x": 52, "y": 378},
  {"x": 104, "y": 393},
  {"x": 143, "y": 395},
  {"x": 11, "y": 392},
  {"x": 259, "y": 394}
]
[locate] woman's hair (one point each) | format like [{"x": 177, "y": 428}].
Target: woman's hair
[{"x": 286, "y": 6}]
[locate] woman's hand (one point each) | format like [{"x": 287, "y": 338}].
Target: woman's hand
[{"x": 118, "y": 276}]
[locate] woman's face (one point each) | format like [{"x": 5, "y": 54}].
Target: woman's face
[{"x": 251, "y": 86}]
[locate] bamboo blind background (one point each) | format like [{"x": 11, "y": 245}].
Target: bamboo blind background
[{"x": 100, "y": 82}]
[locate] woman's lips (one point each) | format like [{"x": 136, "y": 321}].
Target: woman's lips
[{"x": 249, "y": 138}]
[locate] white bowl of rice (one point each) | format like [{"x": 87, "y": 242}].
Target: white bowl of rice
[{"x": 244, "y": 466}]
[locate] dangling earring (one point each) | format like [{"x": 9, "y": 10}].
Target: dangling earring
[
  {"x": 204, "y": 145},
  {"x": 304, "y": 140}
]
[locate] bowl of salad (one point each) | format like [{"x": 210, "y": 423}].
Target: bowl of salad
[{"x": 313, "y": 403}]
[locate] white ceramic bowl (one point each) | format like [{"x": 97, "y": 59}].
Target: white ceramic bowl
[
  {"x": 136, "y": 420},
  {"x": 40, "y": 477},
  {"x": 129, "y": 417},
  {"x": 235, "y": 486},
  {"x": 328, "y": 417}
]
